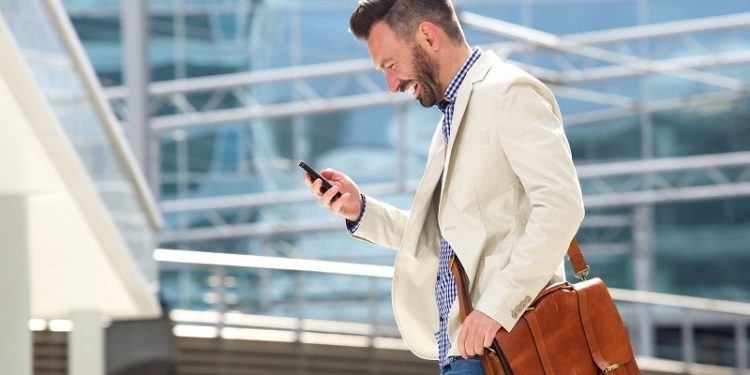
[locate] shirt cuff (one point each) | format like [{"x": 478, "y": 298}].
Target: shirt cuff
[{"x": 353, "y": 225}]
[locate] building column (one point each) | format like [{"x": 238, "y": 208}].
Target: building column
[
  {"x": 15, "y": 287},
  {"x": 86, "y": 344},
  {"x": 134, "y": 26}
]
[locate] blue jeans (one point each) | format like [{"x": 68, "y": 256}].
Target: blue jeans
[{"x": 460, "y": 366}]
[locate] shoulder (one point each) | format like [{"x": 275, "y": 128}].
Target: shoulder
[{"x": 502, "y": 78}]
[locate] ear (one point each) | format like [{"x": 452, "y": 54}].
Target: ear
[{"x": 428, "y": 36}]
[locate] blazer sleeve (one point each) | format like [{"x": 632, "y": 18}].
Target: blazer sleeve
[
  {"x": 529, "y": 127},
  {"x": 381, "y": 224}
]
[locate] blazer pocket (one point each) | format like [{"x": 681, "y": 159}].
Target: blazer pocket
[{"x": 475, "y": 142}]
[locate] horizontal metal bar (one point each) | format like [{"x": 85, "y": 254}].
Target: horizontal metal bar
[
  {"x": 683, "y": 103},
  {"x": 592, "y": 96},
  {"x": 296, "y": 108},
  {"x": 618, "y": 72},
  {"x": 253, "y": 230},
  {"x": 303, "y": 227},
  {"x": 232, "y": 80},
  {"x": 683, "y": 194},
  {"x": 682, "y": 302},
  {"x": 366, "y": 270},
  {"x": 584, "y": 172},
  {"x": 271, "y": 198},
  {"x": 607, "y": 221},
  {"x": 272, "y": 263},
  {"x": 266, "y": 230},
  {"x": 682, "y": 163},
  {"x": 665, "y": 29}
]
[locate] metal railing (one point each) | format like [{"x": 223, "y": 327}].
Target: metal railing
[{"x": 667, "y": 310}]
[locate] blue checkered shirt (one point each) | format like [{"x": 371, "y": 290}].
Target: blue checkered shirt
[{"x": 445, "y": 285}]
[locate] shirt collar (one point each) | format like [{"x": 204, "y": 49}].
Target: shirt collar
[{"x": 450, "y": 93}]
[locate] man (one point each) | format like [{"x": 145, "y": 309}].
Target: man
[{"x": 499, "y": 190}]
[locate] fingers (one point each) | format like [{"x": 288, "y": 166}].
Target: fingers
[
  {"x": 331, "y": 174},
  {"x": 478, "y": 342},
  {"x": 339, "y": 203},
  {"x": 462, "y": 342},
  {"x": 477, "y": 333},
  {"x": 488, "y": 338},
  {"x": 327, "y": 198},
  {"x": 308, "y": 180},
  {"x": 316, "y": 186}
]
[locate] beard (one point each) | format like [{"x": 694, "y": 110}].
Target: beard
[{"x": 426, "y": 68}]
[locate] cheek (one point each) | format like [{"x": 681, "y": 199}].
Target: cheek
[{"x": 405, "y": 73}]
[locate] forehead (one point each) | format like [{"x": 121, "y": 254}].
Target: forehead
[{"x": 383, "y": 44}]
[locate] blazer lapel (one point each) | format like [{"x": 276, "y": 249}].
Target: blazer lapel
[
  {"x": 475, "y": 74},
  {"x": 428, "y": 183}
]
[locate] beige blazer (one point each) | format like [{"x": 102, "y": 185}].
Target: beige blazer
[{"x": 509, "y": 205}]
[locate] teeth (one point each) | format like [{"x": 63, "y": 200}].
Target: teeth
[{"x": 412, "y": 86}]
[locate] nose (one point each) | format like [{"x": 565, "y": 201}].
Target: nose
[{"x": 393, "y": 82}]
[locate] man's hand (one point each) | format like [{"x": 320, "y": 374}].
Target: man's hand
[
  {"x": 349, "y": 205},
  {"x": 477, "y": 333}
]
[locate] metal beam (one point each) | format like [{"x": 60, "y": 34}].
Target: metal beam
[
  {"x": 317, "y": 226},
  {"x": 562, "y": 44},
  {"x": 290, "y": 109},
  {"x": 660, "y": 196},
  {"x": 665, "y": 29},
  {"x": 272, "y": 263},
  {"x": 213, "y": 117},
  {"x": 232, "y": 80},
  {"x": 585, "y": 172},
  {"x": 676, "y": 164},
  {"x": 266, "y": 230},
  {"x": 308, "y": 265},
  {"x": 135, "y": 63},
  {"x": 618, "y": 72},
  {"x": 114, "y": 132},
  {"x": 685, "y": 103},
  {"x": 657, "y": 190},
  {"x": 627, "y": 66}
]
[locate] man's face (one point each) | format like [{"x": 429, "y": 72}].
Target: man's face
[{"x": 406, "y": 66}]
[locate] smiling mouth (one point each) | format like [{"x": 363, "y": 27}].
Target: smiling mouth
[{"x": 411, "y": 87}]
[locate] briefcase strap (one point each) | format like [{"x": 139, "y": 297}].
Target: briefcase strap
[
  {"x": 465, "y": 308},
  {"x": 575, "y": 256}
]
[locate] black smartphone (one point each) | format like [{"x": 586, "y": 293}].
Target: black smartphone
[{"x": 326, "y": 185}]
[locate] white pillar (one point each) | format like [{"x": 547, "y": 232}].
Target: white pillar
[
  {"x": 86, "y": 344},
  {"x": 15, "y": 287}
]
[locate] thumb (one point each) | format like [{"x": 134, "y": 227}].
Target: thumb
[{"x": 331, "y": 174}]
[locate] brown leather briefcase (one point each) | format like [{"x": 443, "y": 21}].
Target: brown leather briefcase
[{"x": 568, "y": 329}]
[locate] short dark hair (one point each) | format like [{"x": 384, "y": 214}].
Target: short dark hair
[{"x": 403, "y": 17}]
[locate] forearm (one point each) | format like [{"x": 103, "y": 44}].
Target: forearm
[{"x": 381, "y": 224}]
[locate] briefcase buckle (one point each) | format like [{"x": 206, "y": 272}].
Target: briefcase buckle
[
  {"x": 611, "y": 368},
  {"x": 584, "y": 274}
]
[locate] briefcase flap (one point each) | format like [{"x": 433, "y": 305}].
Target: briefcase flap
[{"x": 605, "y": 332}]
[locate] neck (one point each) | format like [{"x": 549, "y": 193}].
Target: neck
[{"x": 451, "y": 61}]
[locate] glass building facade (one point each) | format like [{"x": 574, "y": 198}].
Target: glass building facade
[{"x": 654, "y": 115}]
